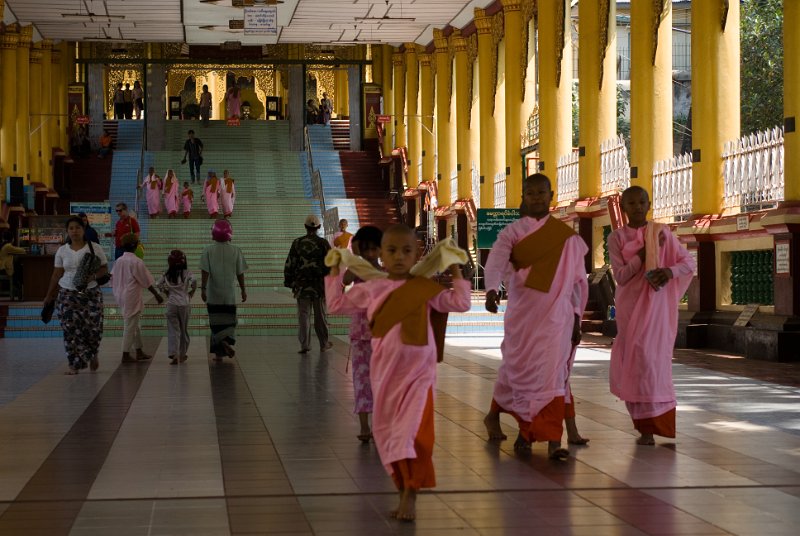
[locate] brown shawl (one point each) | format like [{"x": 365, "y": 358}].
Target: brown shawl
[{"x": 541, "y": 252}]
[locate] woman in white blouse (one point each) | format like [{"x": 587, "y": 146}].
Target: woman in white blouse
[{"x": 80, "y": 311}]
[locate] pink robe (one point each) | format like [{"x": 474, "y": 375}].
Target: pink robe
[
  {"x": 152, "y": 194},
  {"x": 401, "y": 375},
  {"x": 647, "y": 321},
  {"x": 537, "y": 344},
  {"x": 130, "y": 277},
  {"x": 186, "y": 201},
  {"x": 212, "y": 199},
  {"x": 226, "y": 199},
  {"x": 171, "y": 197}
]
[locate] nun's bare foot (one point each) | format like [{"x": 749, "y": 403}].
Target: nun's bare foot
[
  {"x": 646, "y": 439},
  {"x": 492, "y": 424}
]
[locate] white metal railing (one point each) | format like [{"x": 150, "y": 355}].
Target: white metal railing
[
  {"x": 672, "y": 187},
  {"x": 453, "y": 186},
  {"x": 615, "y": 170},
  {"x": 753, "y": 171},
  {"x": 500, "y": 190},
  {"x": 476, "y": 186},
  {"x": 567, "y": 177}
]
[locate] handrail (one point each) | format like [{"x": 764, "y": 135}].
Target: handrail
[
  {"x": 140, "y": 172},
  {"x": 316, "y": 178}
]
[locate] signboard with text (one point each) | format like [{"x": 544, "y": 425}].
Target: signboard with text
[
  {"x": 491, "y": 221},
  {"x": 261, "y": 20}
]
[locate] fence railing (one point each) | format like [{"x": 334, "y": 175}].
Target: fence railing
[
  {"x": 753, "y": 171},
  {"x": 476, "y": 186},
  {"x": 567, "y": 177},
  {"x": 615, "y": 170},
  {"x": 500, "y": 190},
  {"x": 316, "y": 179},
  {"x": 672, "y": 187},
  {"x": 454, "y": 187}
]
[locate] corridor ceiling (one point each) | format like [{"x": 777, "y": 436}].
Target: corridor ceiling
[{"x": 207, "y": 22}]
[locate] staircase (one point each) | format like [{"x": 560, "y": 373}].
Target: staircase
[
  {"x": 340, "y": 134},
  {"x": 362, "y": 183}
]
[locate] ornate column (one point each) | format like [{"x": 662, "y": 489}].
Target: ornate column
[
  {"x": 443, "y": 89},
  {"x": 512, "y": 20},
  {"x": 399, "y": 100},
  {"x": 487, "y": 63},
  {"x": 555, "y": 85},
  {"x": 388, "y": 97},
  {"x": 715, "y": 97},
  {"x": 426, "y": 110},
  {"x": 35, "y": 94},
  {"x": 413, "y": 126},
  {"x": 47, "y": 119},
  {"x": 651, "y": 89},
  {"x": 463, "y": 84},
  {"x": 8, "y": 128},
  {"x": 597, "y": 71},
  {"x": 23, "y": 111},
  {"x": 791, "y": 100}
]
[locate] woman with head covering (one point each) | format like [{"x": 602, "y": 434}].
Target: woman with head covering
[
  {"x": 222, "y": 264},
  {"x": 171, "y": 193},
  {"x": 227, "y": 194},
  {"x": 211, "y": 193},
  {"x": 152, "y": 187}
]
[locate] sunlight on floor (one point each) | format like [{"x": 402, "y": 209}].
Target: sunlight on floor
[{"x": 734, "y": 426}]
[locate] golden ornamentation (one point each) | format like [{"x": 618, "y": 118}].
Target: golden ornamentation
[
  {"x": 603, "y": 22},
  {"x": 36, "y": 55},
  {"x": 46, "y": 44},
  {"x": 561, "y": 21},
  {"x": 724, "y": 8},
  {"x": 528, "y": 12},
  {"x": 443, "y": 47},
  {"x": 8, "y": 41},
  {"x": 498, "y": 32},
  {"x": 126, "y": 74},
  {"x": 25, "y": 36},
  {"x": 472, "y": 54}
]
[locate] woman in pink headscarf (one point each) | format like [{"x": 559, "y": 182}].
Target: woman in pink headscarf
[
  {"x": 222, "y": 264},
  {"x": 152, "y": 187},
  {"x": 227, "y": 194},
  {"x": 171, "y": 193},
  {"x": 211, "y": 193}
]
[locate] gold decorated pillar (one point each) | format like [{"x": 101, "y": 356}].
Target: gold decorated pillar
[
  {"x": 651, "y": 89},
  {"x": 715, "y": 97},
  {"x": 23, "y": 110},
  {"x": 443, "y": 83},
  {"x": 512, "y": 20},
  {"x": 486, "y": 89},
  {"x": 67, "y": 77},
  {"x": 58, "y": 93},
  {"x": 46, "y": 117},
  {"x": 8, "y": 127},
  {"x": 399, "y": 100},
  {"x": 791, "y": 99},
  {"x": 426, "y": 110},
  {"x": 555, "y": 85},
  {"x": 413, "y": 126},
  {"x": 463, "y": 83},
  {"x": 597, "y": 90},
  {"x": 35, "y": 95},
  {"x": 388, "y": 97}
]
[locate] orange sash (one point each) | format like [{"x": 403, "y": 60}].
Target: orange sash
[
  {"x": 188, "y": 193},
  {"x": 541, "y": 252},
  {"x": 342, "y": 240},
  {"x": 408, "y": 305},
  {"x": 153, "y": 183},
  {"x": 212, "y": 185},
  {"x": 168, "y": 184},
  {"x": 229, "y": 185}
]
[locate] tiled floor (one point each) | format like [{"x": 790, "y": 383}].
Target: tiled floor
[{"x": 265, "y": 444}]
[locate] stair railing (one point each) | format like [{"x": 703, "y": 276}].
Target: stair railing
[
  {"x": 140, "y": 171},
  {"x": 316, "y": 178}
]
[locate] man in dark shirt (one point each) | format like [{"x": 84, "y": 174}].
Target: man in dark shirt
[
  {"x": 193, "y": 149},
  {"x": 125, "y": 225},
  {"x": 304, "y": 273}
]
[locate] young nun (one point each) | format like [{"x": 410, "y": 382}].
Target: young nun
[
  {"x": 227, "y": 194},
  {"x": 171, "y": 194},
  {"x": 187, "y": 197},
  {"x": 211, "y": 193}
]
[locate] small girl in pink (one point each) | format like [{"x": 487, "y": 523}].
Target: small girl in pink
[
  {"x": 187, "y": 196},
  {"x": 367, "y": 244},
  {"x": 171, "y": 193}
]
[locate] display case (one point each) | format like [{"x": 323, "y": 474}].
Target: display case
[{"x": 44, "y": 234}]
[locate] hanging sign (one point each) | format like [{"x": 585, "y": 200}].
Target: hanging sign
[
  {"x": 83, "y": 119},
  {"x": 491, "y": 221},
  {"x": 261, "y": 20},
  {"x": 383, "y": 118}
]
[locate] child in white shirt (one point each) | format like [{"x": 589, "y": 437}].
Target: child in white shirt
[{"x": 179, "y": 285}]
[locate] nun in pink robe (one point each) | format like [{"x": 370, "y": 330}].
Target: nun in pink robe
[
  {"x": 537, "y": 345},
  {"x": 171, "y": 193},
  {"x": 152, "y": 186},
  {"x": 211, "y": 193},
  {"x": 227, "y": 194},
  {"x": 401, "y": 375},
  {"x": 647, "y": 322}
]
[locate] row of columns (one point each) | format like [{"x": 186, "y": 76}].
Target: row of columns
[{"x": 34, "y": 105}]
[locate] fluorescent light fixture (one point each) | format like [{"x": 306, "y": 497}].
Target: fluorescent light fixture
[
  {"x": 386, "y": 18},
  {"x": 93, "y": 17}
]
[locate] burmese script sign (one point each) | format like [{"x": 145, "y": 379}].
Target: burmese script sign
[
  {"x": 491, "y": 221},
  {"x": 261, "y": 20}
]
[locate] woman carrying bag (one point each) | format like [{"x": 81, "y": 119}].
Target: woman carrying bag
[{"x": 75, "y": 291}]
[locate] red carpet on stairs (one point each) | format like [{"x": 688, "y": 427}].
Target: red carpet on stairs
[{"x": 362, "y": 183}]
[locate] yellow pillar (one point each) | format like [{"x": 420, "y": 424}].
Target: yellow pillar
[
  {"x": 67, "y": 77},
  {"x": 651, "y": 91},
  {"x": 443, "y": 74},
  {"x": 8, "y": 130},
  {"x": 463, "y": 152},
  {"x": 483, "y": 23},
  {"x": 23, "y": 109},
  {"x": 47, "y": 119},
  {"x": 791, "y": 99},
  {"x": 413, "y": 126},
  {"x": 597, "y": 89},
  {"x": 35, "y": 95},
  {"x": 555, "y": 85},
  {"x": 715, "y": 97},
  {"x": 426, "y": 110},
  {"x": 388, "y": 97},
  {"x": 399, "y": 100},
  {"x": 57, "y": 121},
  {"x": 512, "y": 20}
]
